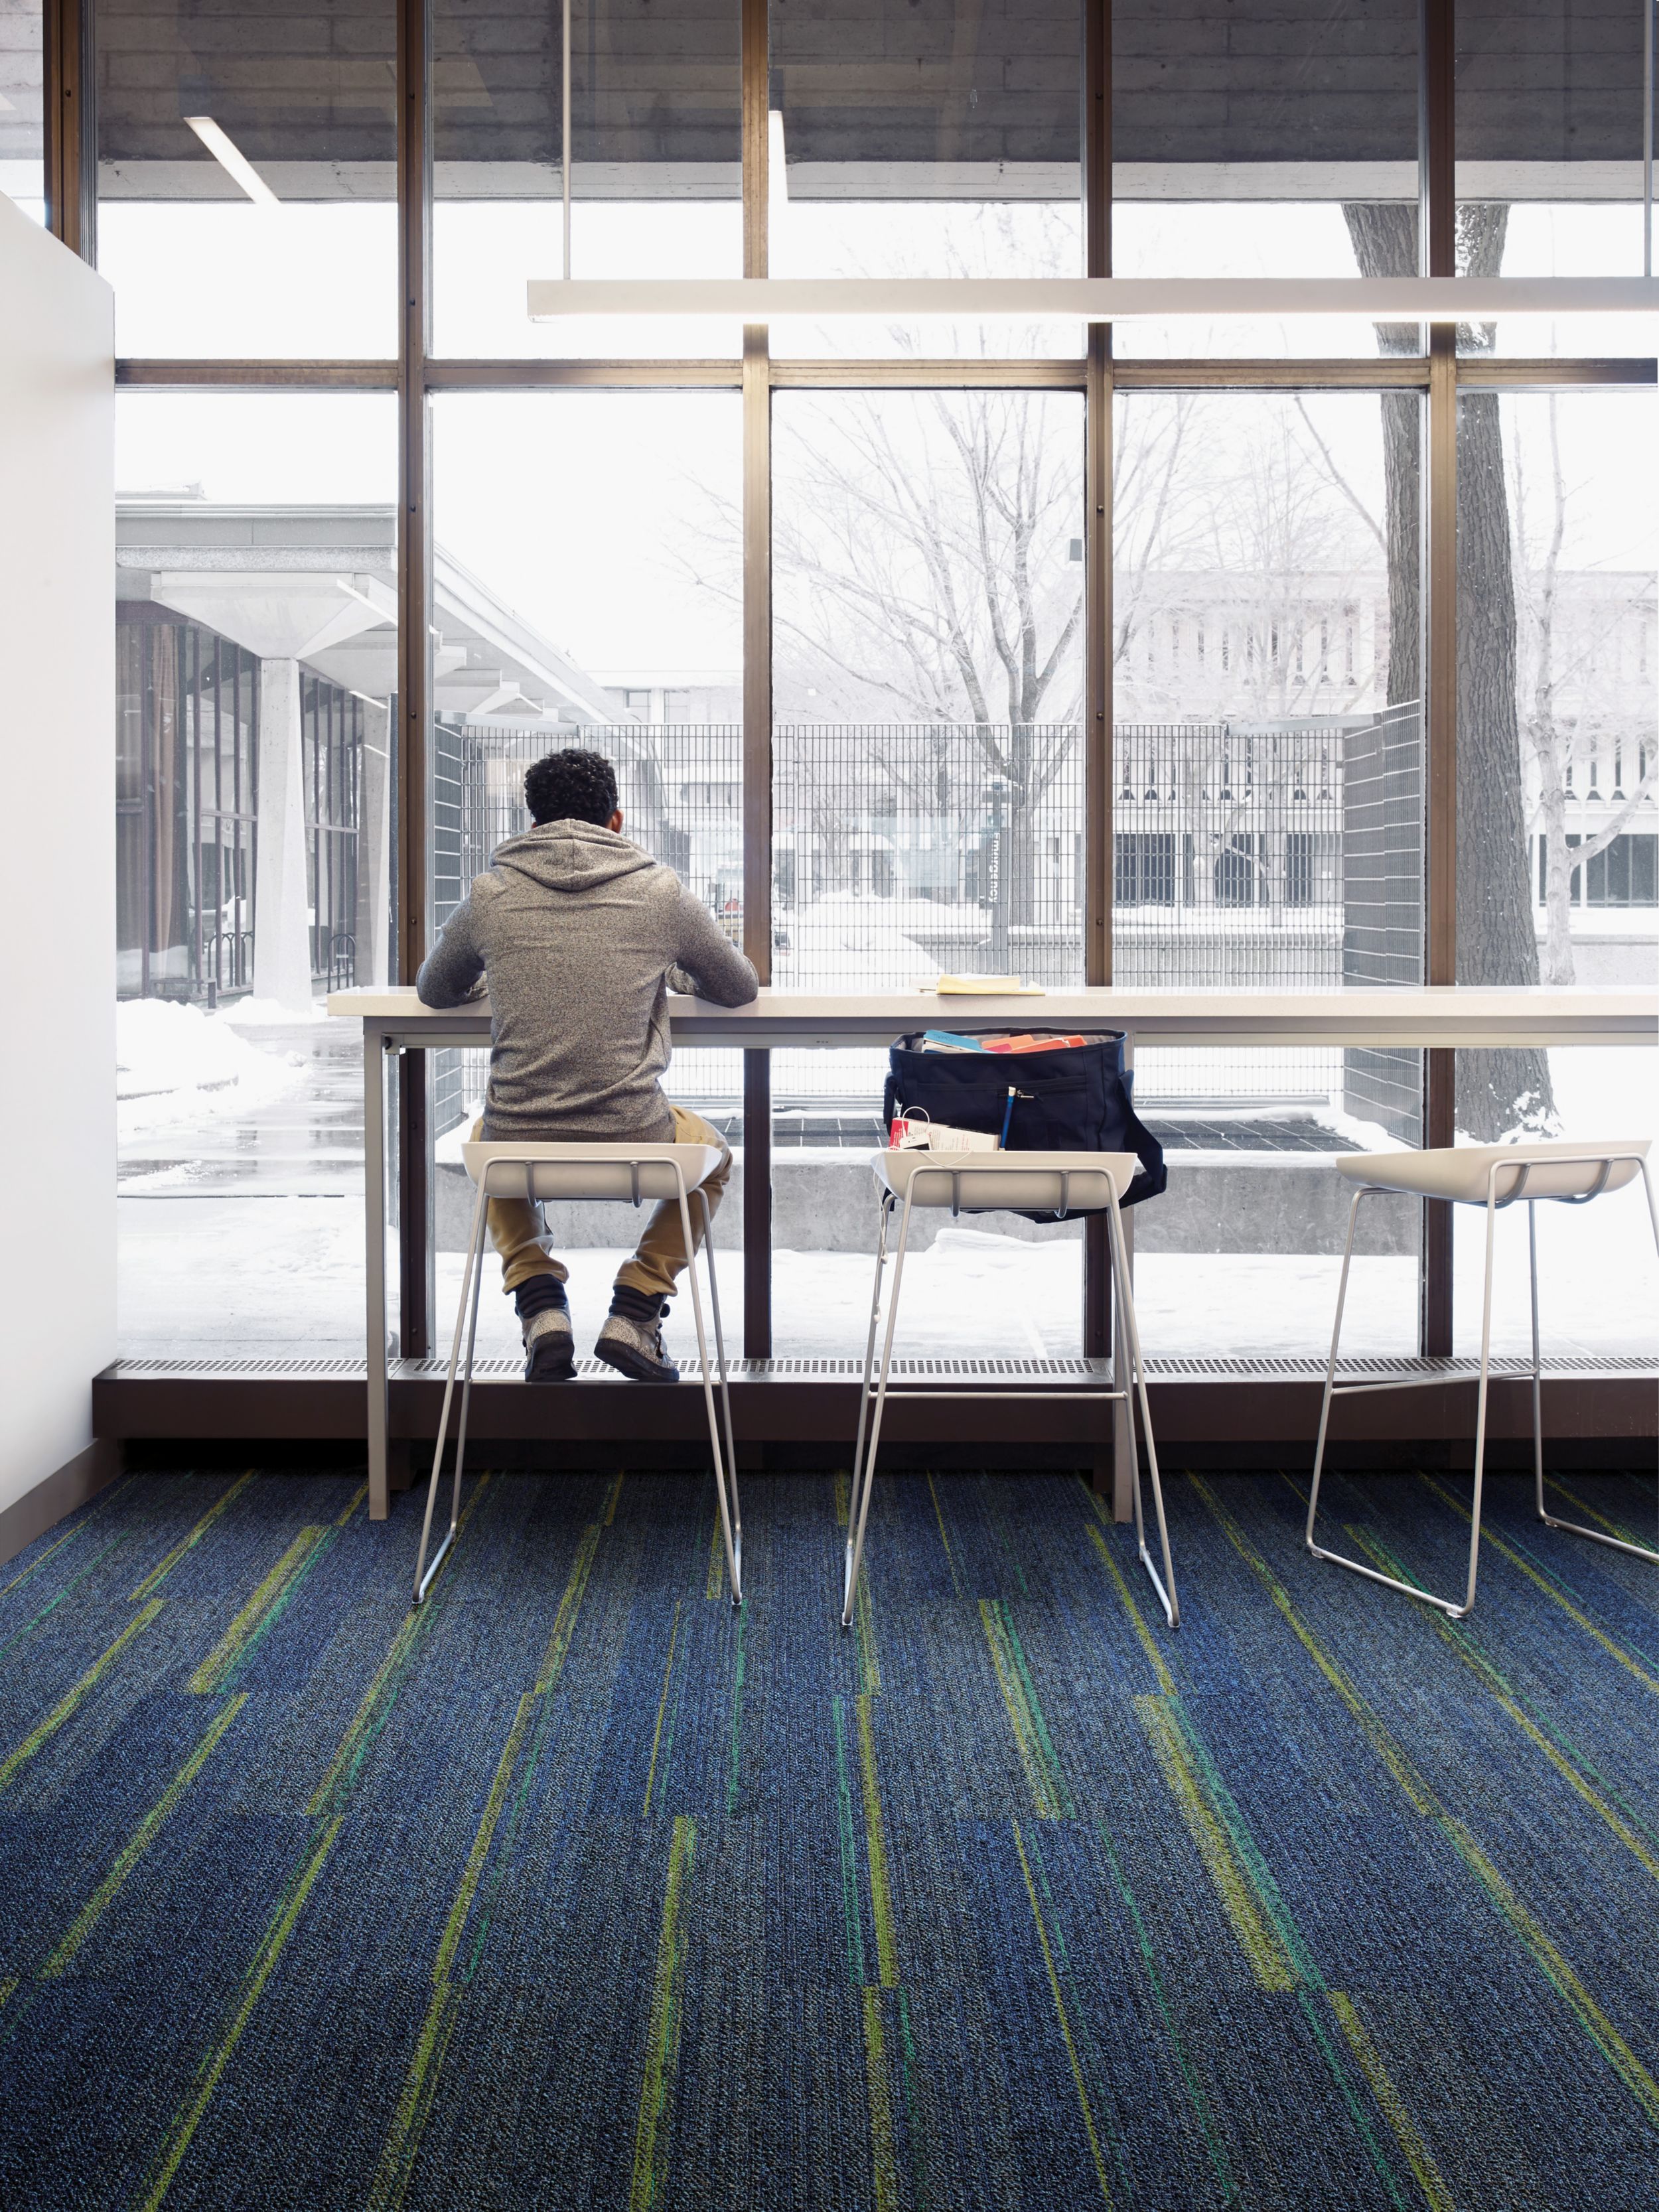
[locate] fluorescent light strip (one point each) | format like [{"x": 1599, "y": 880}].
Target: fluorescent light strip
[
  {"x": 231, "y": 158},
  {"x": 1097, "y": 299}
]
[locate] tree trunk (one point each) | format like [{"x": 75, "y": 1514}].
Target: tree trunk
[
  {"x": 1497, "y": 1092},
  {"x": 1384, "y": 236}
]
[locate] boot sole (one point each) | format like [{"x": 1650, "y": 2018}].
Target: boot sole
[
  {"x": 630, "y": 1364},
  {"x": 550, "y": 1364}
]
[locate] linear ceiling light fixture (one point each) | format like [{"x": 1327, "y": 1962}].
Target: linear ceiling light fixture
[
  {"x": 231, "y": 159},
  {"x": 1097, "y": 299}
]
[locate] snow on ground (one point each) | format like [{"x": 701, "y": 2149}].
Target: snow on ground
[
  {"x": 881, "y": 938},
  {"x": 232, "y": 1275},
  {"x": 177, "y": 1068},
  {"x": 230, "y": 1278},
  {"x": 262, "y": 1014},
  {"x": 1598, "y": 1273},
  {"x": 975, "y": 1294}
]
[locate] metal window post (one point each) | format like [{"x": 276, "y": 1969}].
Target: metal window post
[
  {"x": 69, "y": 124},
  {"x": 1438, "y": 252},
  {"x": 756, "y": 692},
  {"x": 416, "y": 1260}
]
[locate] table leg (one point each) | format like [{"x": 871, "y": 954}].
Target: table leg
[
  {"x": 374, "y": 1265},
  {"x": 1125, "y": 1468}
]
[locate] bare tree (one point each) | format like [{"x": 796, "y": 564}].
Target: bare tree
[{"x": 923, "y": 554}]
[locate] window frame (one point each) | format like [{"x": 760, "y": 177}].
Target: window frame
[{"x": 414, "y": 375}]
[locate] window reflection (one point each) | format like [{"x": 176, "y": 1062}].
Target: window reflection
[
  {"x": 1550, "y": 177},
  {"x": 1258, "y": 138},
  {"x": 655, "y": 180},
  {"x": 247, "y": 178}
]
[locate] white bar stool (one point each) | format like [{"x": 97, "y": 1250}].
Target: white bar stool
[
  {"x": 630, "y": 1173},
  {"x": 988, "y": 1182},
  {"x": 1492, "y": 1175}
]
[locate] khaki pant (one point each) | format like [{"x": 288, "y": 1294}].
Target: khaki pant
[{"x": 515, "y": 1226}]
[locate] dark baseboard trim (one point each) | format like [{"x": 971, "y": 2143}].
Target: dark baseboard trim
[
  {"x": 52, "y": 1500},
  {"x": 1217, "y": 1412}
]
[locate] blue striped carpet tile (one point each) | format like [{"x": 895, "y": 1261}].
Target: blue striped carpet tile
[{"x": 578, "y": 1888}]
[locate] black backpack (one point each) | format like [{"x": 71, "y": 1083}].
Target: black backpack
[{"x": 1076, "y": 1100}]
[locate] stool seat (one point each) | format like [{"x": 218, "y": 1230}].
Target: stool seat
[
  {"x": 988, "y": 1182},
  {"x": 1552, "y": 1167},
  {"x": 590, "y": 1171}
]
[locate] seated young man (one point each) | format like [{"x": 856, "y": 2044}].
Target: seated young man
[{"x": 578, "y": 936}]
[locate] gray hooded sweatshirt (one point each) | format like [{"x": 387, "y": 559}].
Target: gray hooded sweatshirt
[{"x": 579, "y": 936}]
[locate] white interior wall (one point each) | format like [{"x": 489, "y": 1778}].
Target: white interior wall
[{"x": 58, "y": 773}]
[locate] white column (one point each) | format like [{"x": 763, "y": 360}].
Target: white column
[
  {"x": 374, "y": 848},
  {"x": 281, "y": 943}
]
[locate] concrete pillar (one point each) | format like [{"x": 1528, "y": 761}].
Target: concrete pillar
[
  {"x": 282, "y": 942},
  {"x": 373, "y": 925}
]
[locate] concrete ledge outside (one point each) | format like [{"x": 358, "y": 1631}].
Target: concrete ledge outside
[{"x": 823, "y": 1200}]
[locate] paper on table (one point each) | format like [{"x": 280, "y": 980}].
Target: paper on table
[{"x": 986, "y": 986}]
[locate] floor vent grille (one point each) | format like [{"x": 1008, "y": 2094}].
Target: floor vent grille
[{"x": 1058, "y": 1373}]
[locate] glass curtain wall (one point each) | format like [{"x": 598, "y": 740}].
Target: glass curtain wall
[
  {"x": 609, "y": 522},
  {"x": 1554, "y": 113},
  {"x": 854, "y": 573},
  {"x": 255, "y": 652},
  {"x": 938, "y": 140},
  {"x": 1557, "y": 809},
  {"x": 927, "y": 807},
  {"x": 186, "y": 808},
  {"x": 1264, "y": 138},
  {"x": 247, "y": 177},
  {"x": 1267, "y": 786},
  {"x": 653, "y": 187}
]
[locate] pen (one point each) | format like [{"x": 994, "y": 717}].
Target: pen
[{"x": 1007, "y": 1116}]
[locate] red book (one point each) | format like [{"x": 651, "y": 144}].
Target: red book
[{"x": 1034, "y": 1043}]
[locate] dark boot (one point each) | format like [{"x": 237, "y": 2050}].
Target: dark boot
[
  {"x": 631, "y": 1339},
  {"x": 544, "y": 1321}
]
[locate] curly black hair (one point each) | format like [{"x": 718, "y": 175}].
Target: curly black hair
[{"x": 572, "y": 785}]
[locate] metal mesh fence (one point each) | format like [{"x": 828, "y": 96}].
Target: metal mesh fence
[
  {"x": 1279, "y": 855},
  {"x": 901, "y": 849}
]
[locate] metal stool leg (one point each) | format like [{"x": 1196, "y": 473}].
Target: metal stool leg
[
  {"x": 1537, "y": 1367},
  {"x": 862, "y": 1502},
  {"x": 726, "y": 1389},
  {"x": 1330, "y": 1377},
  {"x": 886, "y": 1215},
  {"x": 1457, "y": 1612},
  {"x": 1445, "y": 1605},
  {"x": 1137, "y": 1381},
  {"x": 472, "y": 1281},
  {"x": 709, "y": 1394},
  {"x": 1577, "y": 1528}
]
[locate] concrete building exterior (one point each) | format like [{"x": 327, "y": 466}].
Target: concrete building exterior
[{"x": 258, "y": 673}]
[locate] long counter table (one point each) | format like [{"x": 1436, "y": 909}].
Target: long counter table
[{"x": 1439, "y": 1018}]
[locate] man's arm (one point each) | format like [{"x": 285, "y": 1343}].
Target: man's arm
[
  {"x": 706, "y": 961},
  {"x": 453, "y": 971}
]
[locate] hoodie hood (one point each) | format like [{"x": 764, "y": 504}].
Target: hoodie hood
[{"x": 574, "y": 857}]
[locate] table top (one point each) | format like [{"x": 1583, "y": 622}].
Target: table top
[{"x": 1442, "y": 1015}]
